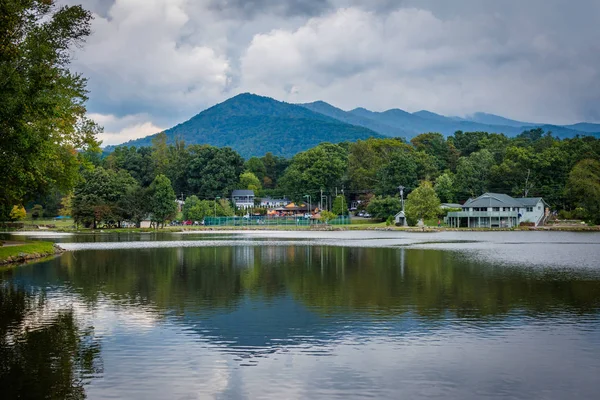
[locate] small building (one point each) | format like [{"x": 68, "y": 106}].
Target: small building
[
  {"x": 496, "y": 210},
  {"x": 243, "y": 198},
  {"x": 268, "y": 202},
  {"x": 400, "y": 219}
]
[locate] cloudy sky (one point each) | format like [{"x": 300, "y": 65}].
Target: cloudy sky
[{"x": 154, "y": 63}]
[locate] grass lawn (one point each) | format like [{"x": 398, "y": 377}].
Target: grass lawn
[
  {"x": 29, "y": 248},
  {"x": 59, "y": 223}
]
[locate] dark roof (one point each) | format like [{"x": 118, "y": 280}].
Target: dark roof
[
  {"x": 242, "y": 193},
  {"x": 493, "y": 200},
  {"x": 530, "y": 201},
  {"x": 501, "y": 200}
]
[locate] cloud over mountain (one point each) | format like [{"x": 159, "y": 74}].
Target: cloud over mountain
[{"x": 535, "y": 60}]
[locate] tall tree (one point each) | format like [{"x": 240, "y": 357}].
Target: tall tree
[
  {"x": 162, "y": 200},
  {"x": 320, "y": 168},
  {"x": 584, "y": 186},
  {"x": 422, "y": 203},
  {"x": 213, "y": 171},
  {"x": 43, "y": 116}
]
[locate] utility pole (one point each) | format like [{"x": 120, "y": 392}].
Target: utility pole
[{"x": 401, "y": 188}]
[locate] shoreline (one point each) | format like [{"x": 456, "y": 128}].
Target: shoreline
[
  {"x": 28, "y": 251},
  {"x": 362, "y": 227}
]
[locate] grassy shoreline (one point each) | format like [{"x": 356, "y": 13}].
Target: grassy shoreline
[
  {"x": 354, "y": 227},
  {"x": 27, "y": 251}
]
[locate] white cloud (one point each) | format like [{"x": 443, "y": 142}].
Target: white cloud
[
  {"x": 170, "y": 59},
  {"x": 411, "y": 58},
  {"x": 121, "y": 129}
]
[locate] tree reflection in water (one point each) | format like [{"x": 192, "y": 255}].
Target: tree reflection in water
[{"x": 44, "y": 353}]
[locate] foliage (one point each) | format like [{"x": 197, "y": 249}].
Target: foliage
[
  {"x": 257, "y": 167},
  {"x": 43, "y": 116},
  {"x": 249, "y": 181},
  {"x": 162, "y": 200},
  {"x": 66, "y": 205},
  {"x": 423, "y": 203},
  {"x": 37, "y": 212},
  {"x": 254, "y": 125},
  {"x": 473, "y": 172},
  {"x": 444, "y": 187},
  {"x": 212, "y": 171},
  {"x": 384, "y": 207},
  {"x": 195, "y": 209},
  {"x": 18, "y": 213},
  {"x": 584, "y": 186},
  {"x": 340, "y": 206},
  {"x": 104, "y": 196},
  {"x": 401, "y": 169},
  {"x": 327, "y": 216},
  {"x": 320, "y": 168}
]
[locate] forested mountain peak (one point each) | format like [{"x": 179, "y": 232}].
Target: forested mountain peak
[{"x": 255, "y": 125}]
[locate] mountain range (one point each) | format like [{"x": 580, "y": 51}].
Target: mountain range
[{"x": 254, "y": 125}]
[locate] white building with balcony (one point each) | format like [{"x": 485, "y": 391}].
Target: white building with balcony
[
  {"x": 243, "y": 198},
  {"x": 495, "y": 210}
]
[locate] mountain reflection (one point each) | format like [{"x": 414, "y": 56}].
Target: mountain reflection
[
  {"x": 43, "y": 351},
  {"x": 255, "y": 296}
]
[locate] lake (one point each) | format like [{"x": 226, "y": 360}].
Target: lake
[{"x": 294, "y": 315}]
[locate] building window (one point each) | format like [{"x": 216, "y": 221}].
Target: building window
[
  {"x": 539, "y": 207},
  {"x": 496, "y": 209},
  {"x": 529, "y": 209}
]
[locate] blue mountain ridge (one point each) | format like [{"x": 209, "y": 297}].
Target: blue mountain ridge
[{"x": 254, "y": 125}]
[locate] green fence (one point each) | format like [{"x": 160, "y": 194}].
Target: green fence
[{"x": 271, "y": 221}]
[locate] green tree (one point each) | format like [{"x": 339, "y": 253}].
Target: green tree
[
  {"x": 423, "y": 203},
  {"x": 434, "y": 144},
  {"x": 584, "y": 186},
  {"x": 213, "y": 171},
  {"x": 473, "y": 173},
  {"x": 100, "y": 197},
  {"x": 66, "y": 205},
  {"x": 401, "y": 169},
  {"x": 162, "y": 200},
  {"x": 327, "y": 216},
  {"x": 383, "y": 207},
  {"x": 249, "y": 181},
  {"x": 43, "y": 120},
  {"x": 322, "y": 167},
  {"x": 18, "y": 213},
  {"x": 444, "y": 187},
  {"x": 340, "y": 206},
  {"x": 37, "y": 212},
  {"x": 257, "y": 167},
  {"x": 195, "y": 209}
]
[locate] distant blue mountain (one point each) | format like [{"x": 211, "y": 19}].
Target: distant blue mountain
[{"x": 254, "y": 125}]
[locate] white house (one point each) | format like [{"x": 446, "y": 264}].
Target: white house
[
  {"x": 268, "y": 202},
  {"x": 243, "y": 198},
  {"x": 496, "y": 210},
  {"x": 400, "y": 219}
]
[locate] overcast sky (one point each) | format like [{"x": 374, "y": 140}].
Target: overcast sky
[{"x": 154, "y": 63}]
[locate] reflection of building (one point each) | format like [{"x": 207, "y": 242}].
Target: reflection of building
[
  {"x": 495, "y": 210},
  {"x": 243, "y": 256},
  {"x": 243, "y": 198}
]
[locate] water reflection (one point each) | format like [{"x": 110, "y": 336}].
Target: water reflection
[
  {"x": 321, "y": 321},
  {"x": 44, "y": 353}
]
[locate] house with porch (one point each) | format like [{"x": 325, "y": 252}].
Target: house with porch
[
  {"x": 496, "y": 210},
  {"x": 243, "y": 198},
  {"x": 268, "y": 202}
]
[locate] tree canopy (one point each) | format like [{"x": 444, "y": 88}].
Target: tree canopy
[{"x": 43, "y": 119}]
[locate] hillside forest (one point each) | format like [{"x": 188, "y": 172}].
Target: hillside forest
[{"x": 123, "y": 185}]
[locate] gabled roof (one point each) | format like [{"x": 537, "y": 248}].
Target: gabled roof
[
  {"x": 493, "y": 200},
  {"x": 502, "y": 200},
  {"x": 242, "y": 193},
  {"x": 530, "y": 201}
]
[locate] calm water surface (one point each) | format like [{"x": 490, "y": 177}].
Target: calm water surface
[{"x": 305, "y": 315}]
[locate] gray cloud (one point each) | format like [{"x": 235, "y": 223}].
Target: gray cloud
[{"x": 169, "y": 59}]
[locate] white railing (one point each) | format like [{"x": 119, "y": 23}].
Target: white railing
[{"x": 484, "y": 214}]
